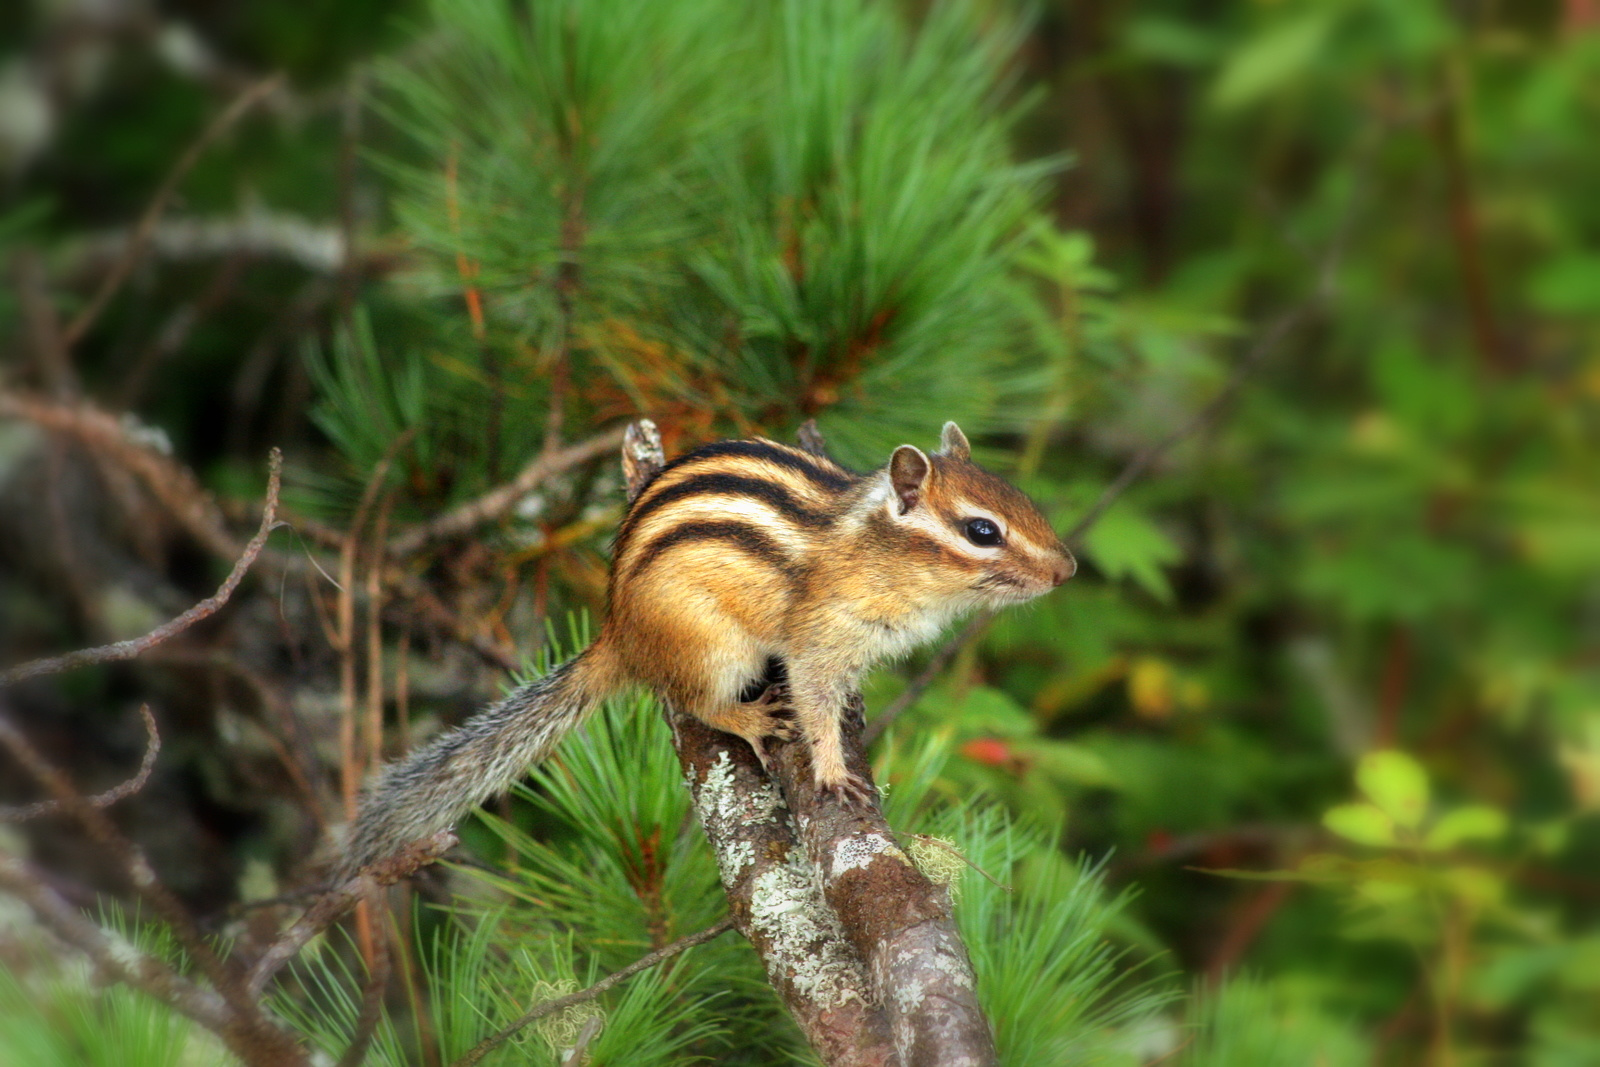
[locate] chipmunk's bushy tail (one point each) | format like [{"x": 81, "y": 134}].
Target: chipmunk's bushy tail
[{"x": 444, "y": 779}]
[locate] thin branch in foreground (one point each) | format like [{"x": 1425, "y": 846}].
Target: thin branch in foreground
[
  {"x": 550, "y": 1007},
  {"x": 936, "y": 664},
  {"x": 138, "y": 450},
  {"x": 1270, "y": 338},
  {"x": 500, "y": 500},
  {"x": 158, "y": 204},
  {"x": 342, "y": 898},
  {"x": 152, "y": 749},
  {"x": 247, "y": 1029},
  {"x": 132, "y": 647},
  {"x": 378, "y": 972}
]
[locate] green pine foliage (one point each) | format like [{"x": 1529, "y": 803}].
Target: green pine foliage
[{"x": 727, "y": 216}]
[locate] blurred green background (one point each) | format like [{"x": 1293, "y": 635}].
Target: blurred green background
[{"x": 1326, "y": 691}]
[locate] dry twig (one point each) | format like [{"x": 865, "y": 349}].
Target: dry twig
[
  {"x": 171, "y": 483},
  {"x": 236, "y": 1016},
  {"x": 378, "y": 971},
  {"x": 158, "y": 204},
  {"x": 342, "y": 898},
  {"x": 122, "y": 650},
  {"x": 152, "y": 749},
  {"x": 498, "y": 501}
]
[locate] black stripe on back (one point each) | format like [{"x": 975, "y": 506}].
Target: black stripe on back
[
  {"x": 826, "y": 476},
  {"x": 781, "y": 500},
  {"x": 741, "y": 534}
]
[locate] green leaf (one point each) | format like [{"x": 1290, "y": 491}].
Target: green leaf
[
  {"x": 1396, "y": 783},
  {"x": 1271, "y": 59},
  {"x": 1125, "y": 543},
  {"x": 1476, "y": 822},
  {"x": 1361, "y": 823}
]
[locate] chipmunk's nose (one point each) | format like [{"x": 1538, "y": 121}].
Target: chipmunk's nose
[{"x": 1065, "y": 567}]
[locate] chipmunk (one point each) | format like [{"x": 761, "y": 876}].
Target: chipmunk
[{"x": 732, "y": 555}]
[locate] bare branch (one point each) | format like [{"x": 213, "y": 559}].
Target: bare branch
[
  {"x": 342, "y": 898},
  {"x": 1269, "y": 339},
  {"x": 776, "y": 902},
  {"x": 642, "y": 458},
  {"x": 246, "y": 1028},
  {"x": 897, "y": 920},
  {"x": 122, "y": 650},
  {"x": 810, "y": 436},
  {"x": 371, "y": 995},
  {"x": 158, "y": 204},
  {"x": 936, "y": 664},
  {"x": 171, "y": 483},
  {"x": 43, "y": 326},
  {"x": 256, "y": 234},
  {"x": 115, "y": 958},
  {"x": 499, "y": 501},
  {"x": 580, "y": 1047},
  {"x": 152, "y": 749},
  {"x": 559, "y": 1004}
]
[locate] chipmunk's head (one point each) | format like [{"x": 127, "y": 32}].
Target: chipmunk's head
[{"x": 991, "y": 538}]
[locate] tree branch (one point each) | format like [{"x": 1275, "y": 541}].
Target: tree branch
[
  {"x": 341, "y": 898},
  {"x": 499, "y": 501},
  {"x": 122, "y": 650},
  {"x": 774, "y": 901},
  {"x": 158, "y": 204},
  {"x": 152, "y": 749},
  {"x": 141, "y": 451},
  {"x": 859, "y": 944}
]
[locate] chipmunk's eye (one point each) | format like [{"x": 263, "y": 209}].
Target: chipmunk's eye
[{"x": 983, "y": 532}]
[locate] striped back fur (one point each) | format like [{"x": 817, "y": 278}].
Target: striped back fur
[{"x": 765, "y": 501}]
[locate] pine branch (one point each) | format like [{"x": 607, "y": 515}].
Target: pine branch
[{"x": 497, "y": 502}]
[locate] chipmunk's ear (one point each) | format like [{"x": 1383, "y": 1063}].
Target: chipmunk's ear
[
  {"x": 953, "y": 443},
  {"x": 908, "y": 473}
]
